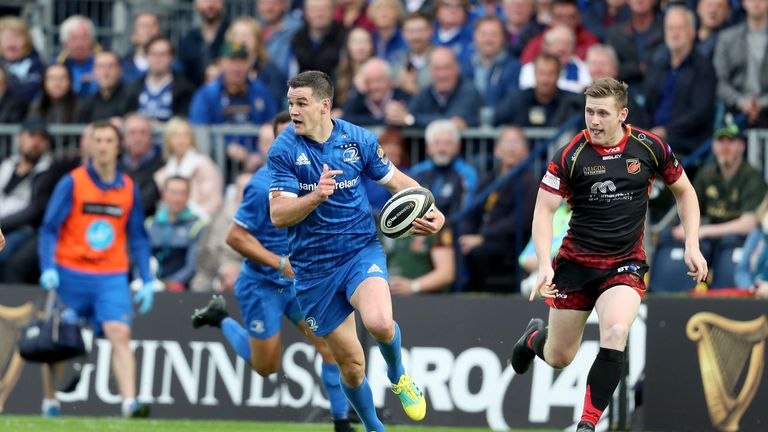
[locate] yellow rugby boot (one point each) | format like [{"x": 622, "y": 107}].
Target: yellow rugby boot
[{"x": 411, "y": 397}]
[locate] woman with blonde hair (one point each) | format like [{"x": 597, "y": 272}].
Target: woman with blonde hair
[
  {"x": 19, "y": 57},
  {"x": 206, "y": 192},
  {"x": 388, "y": 41}
]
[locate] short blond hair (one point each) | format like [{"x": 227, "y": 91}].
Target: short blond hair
[
  {"x": 171, "y": 127},
  {"x": 17, "y": 25},
  {"x": 609, "y": 87}
]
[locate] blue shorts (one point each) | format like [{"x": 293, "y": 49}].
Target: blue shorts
[
  {"x": 325, "y": 300},
  {"x": 96, "y": 297},
  {"x": 263, "y": 304}
]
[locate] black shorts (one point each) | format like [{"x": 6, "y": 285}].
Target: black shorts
[{"x": 579, "y": 286}]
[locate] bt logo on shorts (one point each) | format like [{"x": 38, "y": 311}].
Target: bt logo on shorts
[
  {"x": 311, "y": 323},
  {"x": 627, "y": 268},
  {"x": 257, "y": 326}
]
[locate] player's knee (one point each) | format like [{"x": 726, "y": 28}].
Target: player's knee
[
  {"x": 381, "y": 327},
  {"x": 352, "y": 372},
  {"x": 559, "y": 359},
  {"x": 117, "y": 334},
  {"x": 264, "y": 370},
  {"x": 614, "y": 336}
]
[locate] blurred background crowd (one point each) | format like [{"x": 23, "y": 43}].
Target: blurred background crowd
[{"x": 428, "y": 76}]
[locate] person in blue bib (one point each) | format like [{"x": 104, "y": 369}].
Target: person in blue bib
[
  {"x": 264, "y": 290},
  {"x": 316, "y": 192}
]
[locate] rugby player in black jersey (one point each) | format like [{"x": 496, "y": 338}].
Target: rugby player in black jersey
[{"x": 605, "y": 174}]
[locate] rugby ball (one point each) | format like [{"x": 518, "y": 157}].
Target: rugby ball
[{"x": 402, "y": 209}]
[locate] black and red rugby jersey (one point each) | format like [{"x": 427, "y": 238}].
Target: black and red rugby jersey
[{"x": 607, "y": 189}]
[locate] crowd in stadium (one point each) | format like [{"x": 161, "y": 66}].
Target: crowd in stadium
[{"x": 441, "y": 66}]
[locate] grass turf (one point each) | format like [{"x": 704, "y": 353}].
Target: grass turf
[{"x": 102, "y": 424}]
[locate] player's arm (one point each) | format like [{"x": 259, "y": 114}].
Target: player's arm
[
  {"x": 688, "y": 210},
  {"x": 286, "y": 209},
  {"x": 2, "y": 240},
  {"x": 433, "y": 221},
  {"x": 250, "y": 247},
  {"x": 59, "y": 207},
  {"x": 138, "y": 239},
  {"x": 547, "y": 204}
]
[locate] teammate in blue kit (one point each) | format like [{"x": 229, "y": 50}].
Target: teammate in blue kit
[
  {"x": 339, "y": 265},
  {"x": 264, "y": 291}
]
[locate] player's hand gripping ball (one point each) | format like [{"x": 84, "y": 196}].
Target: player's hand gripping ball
[{"x": 402, "y": 209}]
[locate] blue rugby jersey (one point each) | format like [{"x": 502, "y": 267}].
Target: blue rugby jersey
[
  {"x": 253, "y": 215},
  {"x": 343, "y": 225}
]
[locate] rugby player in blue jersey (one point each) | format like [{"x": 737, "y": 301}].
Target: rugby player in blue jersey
[
  {"x": 264, "y": 291},
  {"x": 339, "y": 265}
]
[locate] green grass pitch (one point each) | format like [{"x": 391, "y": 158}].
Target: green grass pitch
[{"x": 105, "y": 424}]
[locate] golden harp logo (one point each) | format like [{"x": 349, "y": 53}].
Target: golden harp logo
[
  {"x": 12, "y": 319},
  {"x": 731, "y": 353}
]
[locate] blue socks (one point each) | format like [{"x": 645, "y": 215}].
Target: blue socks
[
  {"x": 391, "y": 353},
  {"x": 332, "y": 383},
  {"x": 237, "y": 337},
  {"x": 362, "y": 400}
]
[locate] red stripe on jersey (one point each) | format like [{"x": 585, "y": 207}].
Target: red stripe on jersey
[
  {"x": 610, "y": 150},
  {"x": 570, "y": 145}
]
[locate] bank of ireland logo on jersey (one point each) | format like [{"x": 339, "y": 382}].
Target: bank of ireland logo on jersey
[
  {"x": 311, "y": 323},
  {"x": 100, "y": 235}
]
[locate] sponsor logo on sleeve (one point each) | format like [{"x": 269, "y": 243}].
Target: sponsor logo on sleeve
[{"x": 551, "y": 180}]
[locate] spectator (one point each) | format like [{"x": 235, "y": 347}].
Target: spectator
[
  {"x": 393, "y": 145},
  {"x": 445, "y": 173},
  {"x": 544, "y": 11},
  {"x": 713, "y": 17},
  {"x": 218, "y": 265},
  {"x": 353, "y": 13},
  {"x": 174, "y": 234},
  {"x": 184, "y": 159},
  {"x": 448, "y": 97},
  {"x": 318, "y": 43},
  {"x": 161, "y": 93},
  {"x": 426, "y": 7},
  {"x": 600, "y": 15},
  {"x": 542, "y": 106},
  {"x": 741, "y": 61},
  {"x": 559, "y": 41},
  {"x": 247, "y": 31},
  {"x": 202, "y": 45},
  {"x": 421, "y": 264},
  {"x": 520, "y": 25},
  {"x": 497, "y": 231},
  {"x": 729, "y": 190},
  {"x": 565, "y": 12},
  {"x": 112, "y": 99},
  {"x": 602, "y": 62},
  {"x": 358, "y": 49},
  {"x": 452, "y": 27},
  {"x": 20, "y": 59},
  {"x": 58, "y": 102},
  {"x": 491, "y": 69},
  {"x": 76, "y": 35},
  {"x": 368, "y": 106},
  {"x": 680, "y": 87},
  {"x": 141, "y": 159},
  {"x": 412, "y": 71},
  {"x": 752, "y": 269},
  {"x": 135, "y": 63},
  {"x": 21, "y": 213},
  {"x": 636, "y": 40},
  {"x": 387, "y": 15},
  {"x": 278, "y": 28},
  {"x": 12, "y": 110},
  {"x": 233, "y": 99}
]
